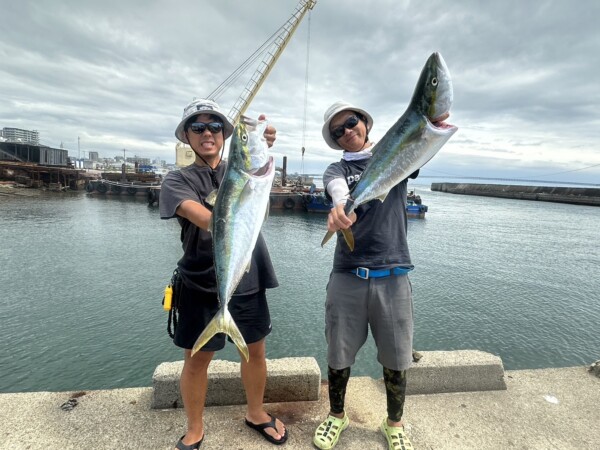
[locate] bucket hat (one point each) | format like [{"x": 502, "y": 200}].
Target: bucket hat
[
  {"x": 202, "y": 106},
  {"x": 336, "y": 108}
]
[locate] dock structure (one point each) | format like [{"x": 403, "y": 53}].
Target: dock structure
[
  {"x": 575, "y": 196},
  {"x": 42, "y": 176},
  {"x": 286, "y": 200}
]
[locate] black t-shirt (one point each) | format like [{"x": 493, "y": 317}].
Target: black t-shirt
[
  {"x": 380, "y": 229},
  {"x": 196, "y": 267}
]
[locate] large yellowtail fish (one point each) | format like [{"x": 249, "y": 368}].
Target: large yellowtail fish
[
  {"x": 239, "y": 211},
  {"x": 412, "y": 141}
]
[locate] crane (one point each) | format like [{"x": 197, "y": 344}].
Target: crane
[{"x": 275, "y": 44}]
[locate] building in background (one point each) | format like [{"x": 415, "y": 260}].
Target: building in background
[
  {"x": 22, "y": 145},
  {"x": 20, "y": 135}
]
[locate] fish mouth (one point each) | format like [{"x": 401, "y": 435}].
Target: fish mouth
[
  {"x": 440, "y": 122},
  {"x": 443, "y": 125}
]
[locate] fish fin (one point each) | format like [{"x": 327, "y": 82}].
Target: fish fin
[
  {"x": 222, "y": 323},
  {"x": 382, "y": 197},
  {"x": 211, "y": 198},
  {"x": 326, "y": 238},
  {"x": 247, "y": 190},
  {"x": 349, "y": 237}
]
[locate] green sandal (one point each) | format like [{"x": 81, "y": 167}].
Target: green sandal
[
  {"x": 329, "y": 431},
  {"x": 396, "y": 437}
]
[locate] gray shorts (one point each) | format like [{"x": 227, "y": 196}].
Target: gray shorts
[{"x": 383, "y": 304}]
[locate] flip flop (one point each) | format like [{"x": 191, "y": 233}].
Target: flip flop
[
  {"x": 181, "y": 446},
  {"x": 396, "y": 437},
  {"x": 261, "y": 427}
]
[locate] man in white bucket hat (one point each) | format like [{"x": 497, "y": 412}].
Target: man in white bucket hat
[
  {"x": 348, "y": 110},
  {"x": 368, "y": 287},
  {"x": 183, "y": 196}
]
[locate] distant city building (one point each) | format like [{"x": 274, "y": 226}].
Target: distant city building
[
  {"x": 93, "y": 156},
  {"x": 19, "y": 135},
  {"x": 139, "y": 161}
]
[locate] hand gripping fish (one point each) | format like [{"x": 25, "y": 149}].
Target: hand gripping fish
[
  {"x": 239, "y": 211},
  {"x": 412, "y": 141}
]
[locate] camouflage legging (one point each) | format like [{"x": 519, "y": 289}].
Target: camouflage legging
[
  {"x": 338, "y": 380},
  {"x": 395, "y": 389}
]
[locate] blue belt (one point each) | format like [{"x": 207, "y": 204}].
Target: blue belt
[{"x": 366, "y": 273}]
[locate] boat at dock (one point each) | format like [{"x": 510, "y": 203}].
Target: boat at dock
[{"x": 317, "y": 202}]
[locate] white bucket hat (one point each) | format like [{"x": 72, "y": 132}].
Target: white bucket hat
[
  {"x": 336, "y": 108},
  {"x": 202, "y": 106}
]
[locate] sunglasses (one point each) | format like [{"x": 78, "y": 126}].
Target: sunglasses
[
  {"x": 200, "y": 127},
  {"x": 350, "y": 123}
]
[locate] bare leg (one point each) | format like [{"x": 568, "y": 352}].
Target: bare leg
[
  {"x": 254, "y": 378},
  {"x": 193, "y": 386}
]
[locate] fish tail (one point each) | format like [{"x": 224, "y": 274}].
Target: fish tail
[
  {"x": 326, "y": 238},
  {"x": 222, "y": 323},
  {"x": 349, "y": 237}
]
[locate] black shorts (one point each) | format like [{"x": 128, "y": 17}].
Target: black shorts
[{"x": 196, "y": 309}]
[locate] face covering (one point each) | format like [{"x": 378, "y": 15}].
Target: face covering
[{"x": 357, "y": 156}]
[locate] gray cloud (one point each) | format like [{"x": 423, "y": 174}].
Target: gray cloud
[{"x": 118, "y": 74}]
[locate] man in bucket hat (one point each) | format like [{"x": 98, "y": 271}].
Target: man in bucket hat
[
  {"x": 183, "y": 195},
  {"x": 368, "y": 287}
]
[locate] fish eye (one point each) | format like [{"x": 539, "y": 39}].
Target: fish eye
[
  {"x": 434, "y": 81},
  {"x": 244, "y": 137}
]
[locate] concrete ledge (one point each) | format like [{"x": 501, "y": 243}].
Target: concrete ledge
[
  {"x": 456, "y": 371},
  {"x": 288, "y": 380},
  {"x": 298, "y": 379}
]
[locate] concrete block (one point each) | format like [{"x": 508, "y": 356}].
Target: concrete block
[
  {"x": 456, "y": 371},
  {"x": 288, "y": 380}
]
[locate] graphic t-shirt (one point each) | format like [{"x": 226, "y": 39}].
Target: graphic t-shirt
[{"x": 380, "y": 229}]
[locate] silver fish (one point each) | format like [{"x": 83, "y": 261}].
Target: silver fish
[
  {"x": 412, "y": 141},
  {"x": 239, "y": 211}
]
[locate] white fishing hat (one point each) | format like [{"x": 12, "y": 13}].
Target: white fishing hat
[
  {"x": 336, "y": 108},
  {"x": 202, "y": 106}
]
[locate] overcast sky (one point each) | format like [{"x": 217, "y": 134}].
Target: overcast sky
[{"x": 117, "y": 74}]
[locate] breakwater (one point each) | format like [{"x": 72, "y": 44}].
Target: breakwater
[{"x": 575, "y": 196}]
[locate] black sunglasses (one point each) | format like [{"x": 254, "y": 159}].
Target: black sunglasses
[
  {"x": 350, "y": 123},
  {"x": 200, "y": 127}
]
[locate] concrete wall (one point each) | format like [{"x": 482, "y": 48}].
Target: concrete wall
[{"x": 576, "y": 196}]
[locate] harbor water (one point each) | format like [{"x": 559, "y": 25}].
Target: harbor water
[{"x": 82, "y": 280}]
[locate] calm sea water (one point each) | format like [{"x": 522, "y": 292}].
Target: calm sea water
[{"x": 82, "y": 280}]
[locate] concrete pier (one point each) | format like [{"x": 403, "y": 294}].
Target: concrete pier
[
  {"x": 539, "y": 409},
  {"x": 575, "y": 196}
]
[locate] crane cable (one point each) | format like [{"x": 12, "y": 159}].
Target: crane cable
[
  {"x": 228, "y": 82},
  {"x": 305, "y": 91}
]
